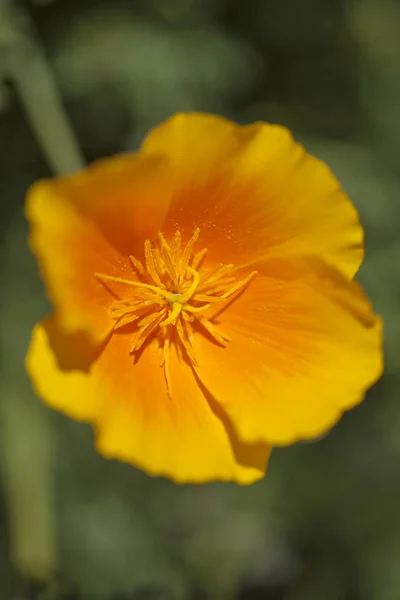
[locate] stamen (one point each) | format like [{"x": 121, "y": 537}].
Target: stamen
[
  {"x": 129, "y": 317},
  {"x": 122, "y": 309},
  {"x": 165, "y": 364},
  {"x": 215, "y": 274},
  {"x": 146, "y": 331},
  {"x": 169, "y": 298},
  {"x": 239, "y": 285},
  {"x": 148, "y": 319},
  {"x": 160, "y": 262},
  {"x": 198, "y": 258},
  {"x": 136, "y": 264},
  {"x": 138, "y": 284},
  {"x": 189, "y": 293},
  {"x": 125, "y": 320},
  {"x": 166, "y": 254},
  {"x": 176, "y": 247},
  {"x": 208, "y": 326},
  {"x": 188, "y": 252},
  {"x": 185, "y": 342},
  {"x": 176, "y": 311},
  {"x": 188, "y": 331},
  {"x": 151, "y": 264},
  {"x": 217, "y": 286},
  {"x": 205, "y": 298},
  {"x": 188, "y": 317}
]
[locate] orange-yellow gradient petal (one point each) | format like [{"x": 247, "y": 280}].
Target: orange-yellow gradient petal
[
  {"x": 90, "y": 222},
  {"x": 180, "y": 437},
  {"x": 305, "y": 347},
  {"x": 255, "y": 193},
  {"x": 60, "y": 372}
]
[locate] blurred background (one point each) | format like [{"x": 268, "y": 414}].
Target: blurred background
[{"x": 80, "y": 79}]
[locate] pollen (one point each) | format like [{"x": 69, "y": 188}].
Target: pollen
[{"x": 169, "y": 297}]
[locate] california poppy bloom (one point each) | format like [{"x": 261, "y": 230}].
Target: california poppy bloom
[{"x": 205, "y": 307}]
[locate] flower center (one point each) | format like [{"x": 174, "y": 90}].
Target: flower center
[{"x": 170, "y": 294}]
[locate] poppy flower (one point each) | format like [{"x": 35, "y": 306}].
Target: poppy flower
[{"x": 205, "y": 307}]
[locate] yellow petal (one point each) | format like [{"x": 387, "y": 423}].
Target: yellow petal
[
  {"x": 90, "y": 222},
  {"x": 254, "y": 193},
  {"x": 59, "y": 368},
  {"x": 305, "y": 347},
  {"x": 182, "y": 437}
]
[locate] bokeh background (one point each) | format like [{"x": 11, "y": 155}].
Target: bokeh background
[{"x": 80, "y": 79}]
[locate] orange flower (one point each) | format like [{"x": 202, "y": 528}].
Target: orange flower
[{"x": 205, "y": 308}]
